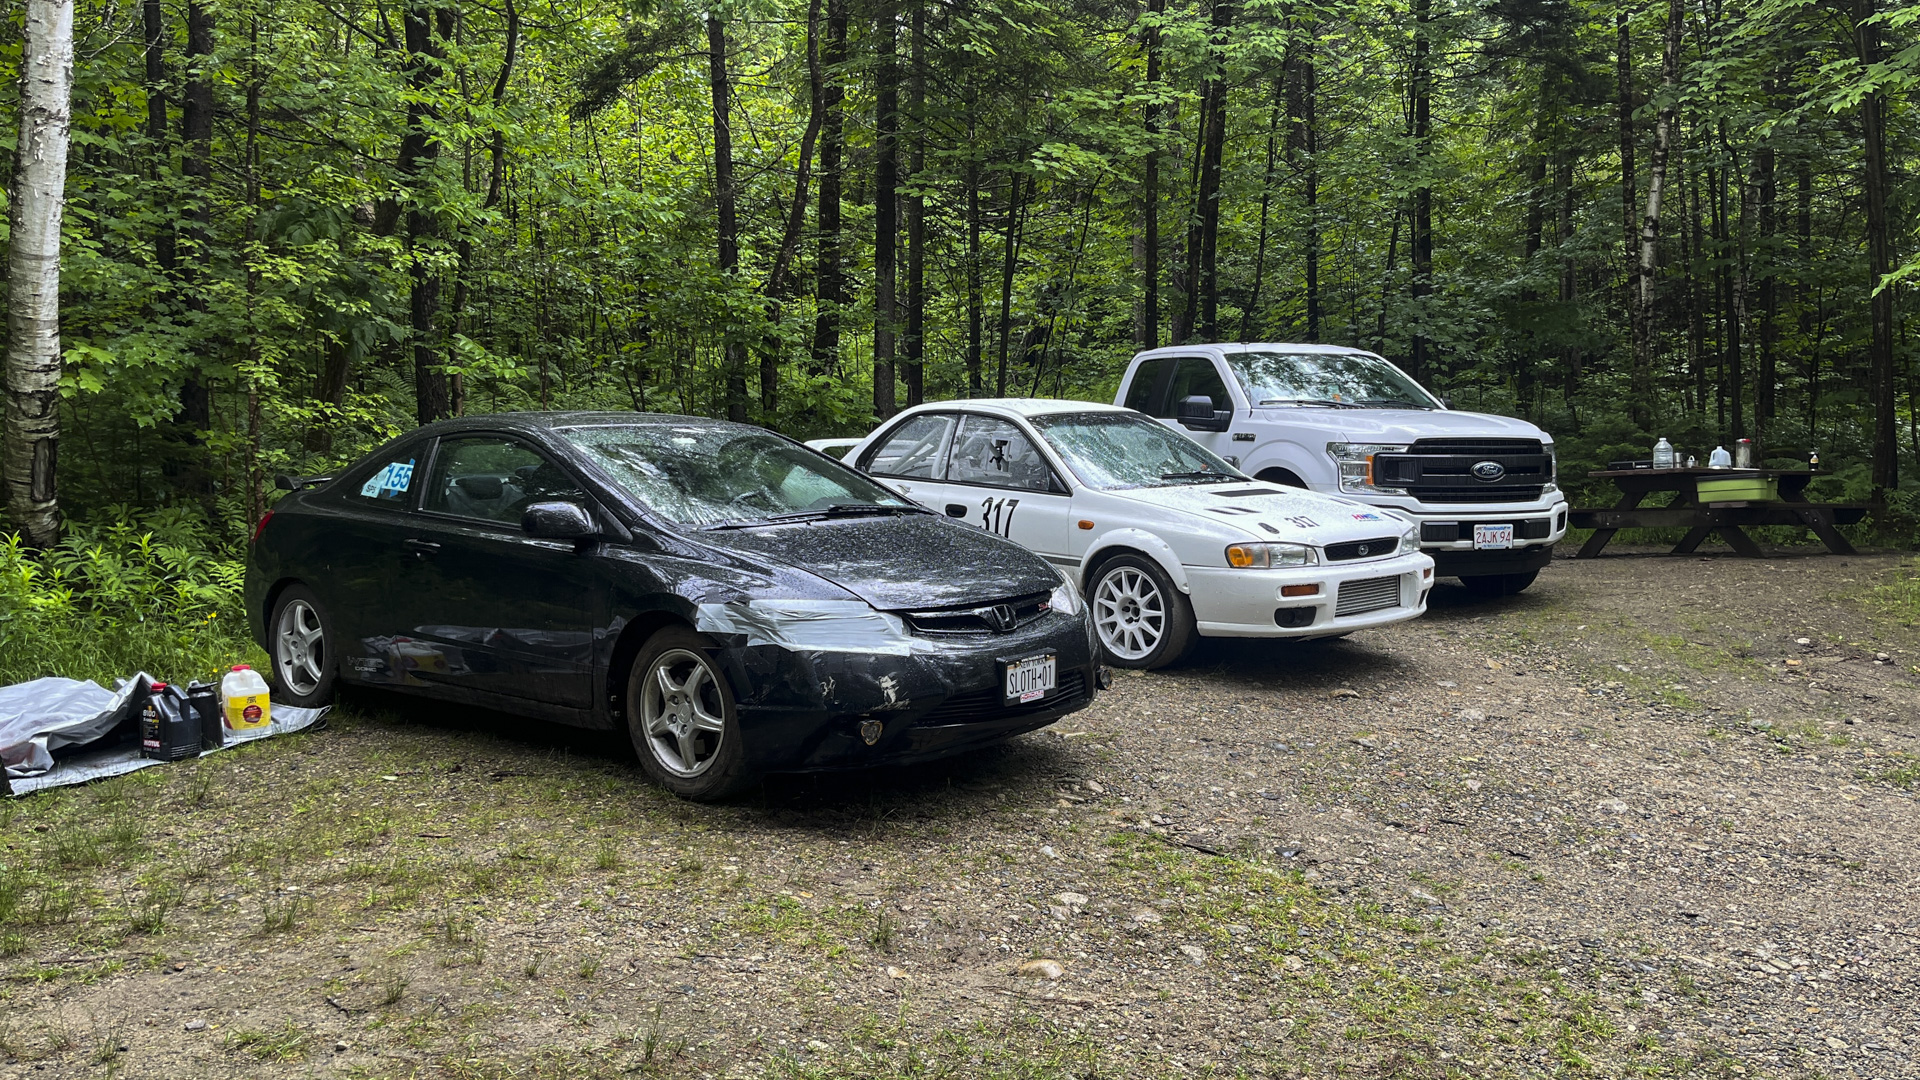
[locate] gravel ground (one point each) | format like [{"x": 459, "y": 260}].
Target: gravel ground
[{"x": 1655, "y": 816}]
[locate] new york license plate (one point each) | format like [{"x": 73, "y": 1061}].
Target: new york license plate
[
  {"x": 1030, "y": 679},
  {"x": 1492, "y": 536}
]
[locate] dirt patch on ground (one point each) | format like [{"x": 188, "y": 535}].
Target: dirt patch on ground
[{"x": 1654, "y": 816}]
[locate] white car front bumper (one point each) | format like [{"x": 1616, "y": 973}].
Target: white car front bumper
[{"x": 1249, "y": 603}]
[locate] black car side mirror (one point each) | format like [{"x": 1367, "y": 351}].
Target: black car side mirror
[
  {"x": 1196, "y": 413},
  {"x": 557, "y": 520}
]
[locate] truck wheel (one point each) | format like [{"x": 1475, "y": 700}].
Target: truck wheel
[
  {"x": 1281, "y": 477},
  {"x": 1141, "y": 619},
  {"x": 1499, "y": 584},
  {"x": 681, "y": 718}
]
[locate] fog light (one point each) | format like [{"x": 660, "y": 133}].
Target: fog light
[
  {"x": 1300, "y": 590},
  {"x": 1103, "y": 677},
  {"x": 1294, "y": 618}
]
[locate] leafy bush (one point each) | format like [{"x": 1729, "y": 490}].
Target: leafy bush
[{"x": 139, "y": 591}]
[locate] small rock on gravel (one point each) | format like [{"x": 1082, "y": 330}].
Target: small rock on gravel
[
  {"x": 1195, "y": 954},
  {"x": 1041, "y": 969},
  {"x": 1145, "y": 917},
  {"x": 1472, "y": 716},
  {"x": 1613, "y": 806},
  {"x": 196, "y": 1025}
]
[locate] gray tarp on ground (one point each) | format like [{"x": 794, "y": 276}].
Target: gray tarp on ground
[{"x": 45, "y": 715}]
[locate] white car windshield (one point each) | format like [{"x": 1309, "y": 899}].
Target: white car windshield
[
  {"x": 1336, "y": 380},
  {"x": 1109, "y": 451},
  {"x": 708, "y": 475}
]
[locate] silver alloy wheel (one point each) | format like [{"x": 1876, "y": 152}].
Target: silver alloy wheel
[
  {"x": 1129, "y": 612},
  {"x": 299, "y": 648},
  {"x": 682, "y": 713}
]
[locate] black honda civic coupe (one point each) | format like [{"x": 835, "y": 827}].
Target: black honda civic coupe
[{"x": 739, "y": 603}]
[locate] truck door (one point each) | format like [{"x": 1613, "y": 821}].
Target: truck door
[{"x": 1197, "y": 375}]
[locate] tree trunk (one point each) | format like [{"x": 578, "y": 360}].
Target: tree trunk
[
  {"x": 1146, "y": 328},
  {"x": 1266, "y": 206},
  {"x": 781, "y": 284},
  {"x": 1421, "y": 87},
  {"x": 917, "y": 213},
  {"x": 1213, "y": 126},
  {"x": 498, "y": 155},
  {"x": 425, "y": 26},
  {"x": 154, "y": 21},
  {"x": 1642, "y": 315},
  {"x": 1623, "y": 62},
  {"x": 1873, "y": 123},
  {"x": 1571, "y": 360},
  {"x": 726, "y": 221},
  {"x": 1010, "y": 254},
  {"x": 886, "y": 206},
  {"x": 829, "y": 277},
  {"x": 196, "y": 132},
  {"x": 976, "y": 349},
  {"x": 1303, "y": 145},
  {"x": 38, "y": 201},
  {"x": 1766, "y": 193}
]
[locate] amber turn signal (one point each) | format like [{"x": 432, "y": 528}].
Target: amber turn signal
[
  {"x": 1300, "y": 590},
  {"x": 1085, "y": 524}
]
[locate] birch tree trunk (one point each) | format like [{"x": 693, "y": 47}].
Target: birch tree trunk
[
  {"x": 1650, "y": 224},
  {"x": 33, "y": 270}
]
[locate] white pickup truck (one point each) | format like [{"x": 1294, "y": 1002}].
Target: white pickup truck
[{"x": 1344, "y": 421}]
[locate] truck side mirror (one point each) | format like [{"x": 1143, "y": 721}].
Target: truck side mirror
[{"x": 1196, "y": 413}]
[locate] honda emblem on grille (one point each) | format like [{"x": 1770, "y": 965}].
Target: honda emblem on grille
[
  {"x": 870, "y": 731},
  {"x": 1488, "y": 471},
  {"x": 1000, "y": 617}
]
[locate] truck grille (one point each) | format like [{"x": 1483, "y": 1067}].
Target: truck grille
[
  {"x": 1442, "y": 470},
  {"x": 1369, "y": 594},
  {"x": 1377, "y": 548}
]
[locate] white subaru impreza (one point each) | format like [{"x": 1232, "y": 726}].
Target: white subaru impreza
[{"x": 1167, "y": 540}]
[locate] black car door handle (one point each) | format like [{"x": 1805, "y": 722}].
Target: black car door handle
[
  {"x": 422, "y": 547},
  {"x": 956, "y": 510}
]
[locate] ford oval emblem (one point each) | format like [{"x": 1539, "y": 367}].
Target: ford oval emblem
[{"x": 1488, "y": 471}]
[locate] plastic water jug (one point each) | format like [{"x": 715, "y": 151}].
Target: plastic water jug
[
  {"x": 1720, "y": 459},
  {"x": 243, "y": 699},
  {"x": 1663, "y": 454}
]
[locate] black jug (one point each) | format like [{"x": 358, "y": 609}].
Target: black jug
[{"x": 169, "y": 725}]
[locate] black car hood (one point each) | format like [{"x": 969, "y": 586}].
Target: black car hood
[{"x": 899, "y": 563}]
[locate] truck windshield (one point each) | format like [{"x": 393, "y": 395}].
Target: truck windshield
[
  {"x": 1109, "y": 451},
  {"x": 1335, "y": 380}
]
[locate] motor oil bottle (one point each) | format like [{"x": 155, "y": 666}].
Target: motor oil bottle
[
  {"x": 243, "y": 698},
  {"x": 169, "y": 727},
  {"x": 204, "y": 699}
]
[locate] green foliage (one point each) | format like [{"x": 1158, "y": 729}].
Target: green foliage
[{"x": 139, "y": 592}]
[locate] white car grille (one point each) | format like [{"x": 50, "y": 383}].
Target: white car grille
[{"x": 1367, "y": 594}]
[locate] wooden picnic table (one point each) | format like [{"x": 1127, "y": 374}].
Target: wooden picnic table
[{"x": 1728, "y": 519}]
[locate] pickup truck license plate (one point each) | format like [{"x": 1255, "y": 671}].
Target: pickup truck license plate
[
  {"x": 1031, "y": 679},
  {"x": 1488, "y": 537}
]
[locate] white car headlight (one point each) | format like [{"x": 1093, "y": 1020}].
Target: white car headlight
[
  {"x": 1410, "y": 540},
  {"x": 1263, "y": 556},
  {"x": 1355, "y": 463},
  {"x": 1066, "y": 596}
]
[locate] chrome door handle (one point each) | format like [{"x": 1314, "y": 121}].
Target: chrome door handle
[{"x": 422, "y": 547}]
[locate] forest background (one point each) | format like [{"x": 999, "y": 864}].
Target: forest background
[{"x": 294, "y": 228}]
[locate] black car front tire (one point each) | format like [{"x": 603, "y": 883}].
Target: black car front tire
[
  {"x": 682, "y": 720},
  {"x": 300, "y": 645}
]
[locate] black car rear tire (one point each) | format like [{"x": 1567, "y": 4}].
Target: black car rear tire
[
  {"x": 682, "y": 720},
  {"x": 300, "y": 647},
  {"x": 1140, "y": 618},
  {"x": 1499, "y": 584}
]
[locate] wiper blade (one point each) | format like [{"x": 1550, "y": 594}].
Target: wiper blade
[
  {"x": 1327, "y": 402},
  {"x": 1199, "y": 475},
  {"x": 822, "y": 514},
  {"x": 1401, "y": 402}
]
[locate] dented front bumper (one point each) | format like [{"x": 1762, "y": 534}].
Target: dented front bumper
[{"x": 866, "y": 699}]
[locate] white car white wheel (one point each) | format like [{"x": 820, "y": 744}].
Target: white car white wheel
[{"x": 1129, "y": 612}]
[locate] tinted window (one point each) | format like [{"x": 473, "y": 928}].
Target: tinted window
[
  {"x": 996, "y": 453},
  {"x": 390, "y": 483},
  {"x": 1195, "y": 375},
  {"x": 493, "y": 479},
  {"x": 1125, "y": 450},
  {"x": 914, "y": 447},
  {"x": 711, "y": 474},
  {"x": 1145, "y": 381}
]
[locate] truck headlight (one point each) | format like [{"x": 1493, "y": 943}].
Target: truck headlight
[
  {"x": 1553, "y": 473},
  {"x": 1355, "y": 464},
  {"x": 1263, "y": 556},
  {"x": 1065, "y": 598}
]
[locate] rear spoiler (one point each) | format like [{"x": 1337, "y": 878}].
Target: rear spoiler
[{"x": 295, "y": 483}]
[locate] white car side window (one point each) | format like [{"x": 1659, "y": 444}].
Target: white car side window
[
  {"x": 997, "y": 454},
  {"x": 914, "y": 448}
]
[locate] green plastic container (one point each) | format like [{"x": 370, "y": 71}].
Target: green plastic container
[{"x": 1740, "y": 489}]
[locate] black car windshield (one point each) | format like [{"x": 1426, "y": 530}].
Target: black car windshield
[
  {"x": 715, "y": 474},
  {"x": 1109, "y": 451},
  {"x": 1335, "y": 379}
]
